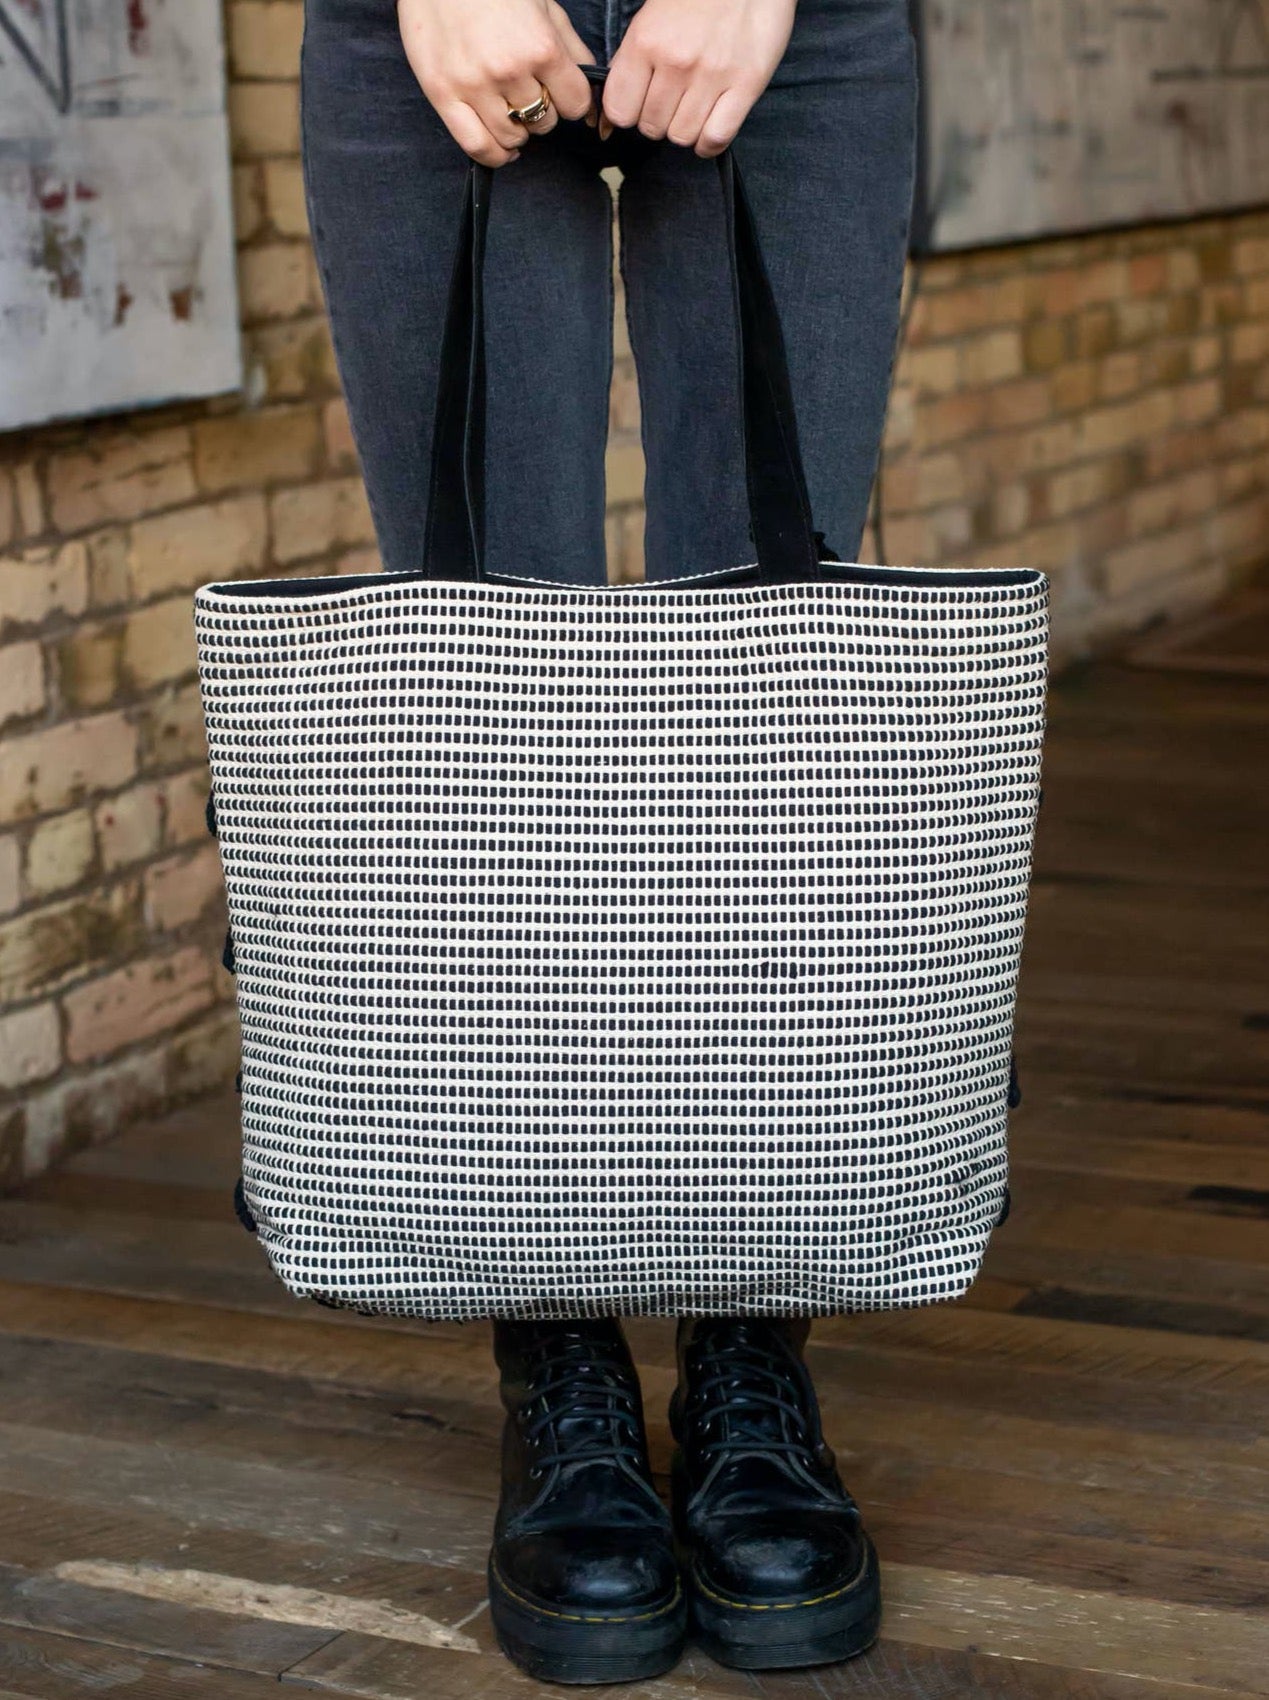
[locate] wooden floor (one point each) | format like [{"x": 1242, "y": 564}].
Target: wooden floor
[{"x": 206, "y": 1486}]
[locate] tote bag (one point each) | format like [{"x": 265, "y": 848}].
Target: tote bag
[{"x": 647, "y": 949}]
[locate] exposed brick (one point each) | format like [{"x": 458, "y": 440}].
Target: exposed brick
[
  {"x": 1073, "y": 386},
  {"x": 294, "y": 357},
  {"x": 43, "y": 948},
  {"x": 1103, "y": 280},
  {"x": 10, "y": 873},
  {"x": 184, "y": 888},
  {"x": 1165, "y": 362},
  {"x": 1172, "y": 501},
  {"x": 185, "y": 807},
  {"x": 1237, "y": 532},
  {"x": 1053, "y": 294},
  {"x": 1024, "y": 401},
  {"x": 193, "y": 546},
  {"x": 318, "y": 517},
  {"x": 1105, "y": 429},
  {"x": 1077, "y": 487},
  {"x": 341, "y": 450},
  {"x": 170, "y": 729},
  {"x": 87, "y": 663},
  {"x": 248, "y": 193},
  {"x": 38, "y": 584},
  {"x": 1155, "y": 557},
  {"x": 60, "y": 853},
  {"x": 931, "y": 371},
  {"x": 276, "y": 445},
  {"x": 1256, "y": 298},
  {"x": 1251, "y": 255},
  {"x": 274, "y": 282},
  {"x": 623, "y": 468},
  {"x": 121, "y": 476},
  {"x": 134, "y": 1003},
  {"x": 62, "y": 765},
  {"x": 630, "y": 564},
  {"x": 1183, "y": 269},
  {"x": 21, "y": 682},
  {"x": 901, "y": 415},
  {"x": 1010, "y": 509},
  {"x": 30, "y": 1046},
  {"x": 1249, "y": 342},
  {"x": 29, "y": 498},
  {"x": 623, "y": 401},
  {"x": 1215, "y": 257},
  {"x": 204, "y": 1057},
  {"x": 128, "y": 826},
  {"x": 91, "y": 1107},
  {"x": 1148, "y": 274},
  {"x": 1045, "y": 344},
  {"x": 284, "y": 197},
  {"x": 108, "y": 567},
  {"x": 264, "y": 39},
  {"x": 1093, "y": 333},
  {"x": 1217, "y": 305},
  {"x": 158, "y": 645},
  {"x": 264, "y": 118},
  {"x": 941, "y": 478},
  {"x": 991, "y": 357},
  {"x": 950, "y": 419},
  {"x": 1193, "y": 403},
  {"x": 975, "y": 307},
  {"x": 1206, "y": 354},
  {"x": 364, "y": 560}
]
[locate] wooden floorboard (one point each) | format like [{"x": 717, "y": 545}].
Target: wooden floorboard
[{"x": 208, "y": 1488}]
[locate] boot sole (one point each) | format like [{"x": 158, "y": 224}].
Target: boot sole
[
  {"x": 752, "y": 1635},
  {"x": 558, "y": 1646}
]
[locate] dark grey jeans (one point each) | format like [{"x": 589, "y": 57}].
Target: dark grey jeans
[{"x": 828, "y": 159}]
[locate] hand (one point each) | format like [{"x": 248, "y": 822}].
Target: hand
[
  {"x": 692, "y": 69},
  {"x": 475, "y": 58}
]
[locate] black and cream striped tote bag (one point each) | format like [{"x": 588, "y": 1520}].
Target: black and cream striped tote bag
[{"x": 639, "y": 950}]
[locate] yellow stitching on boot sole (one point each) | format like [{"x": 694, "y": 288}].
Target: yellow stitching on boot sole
[
  {"x": 780, "y": 1605},
  {"x": 581, "y": 1617}
]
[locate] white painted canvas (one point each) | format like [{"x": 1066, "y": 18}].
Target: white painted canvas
[
  {"x": 1050, "y": 116},
  {"x": 116, "y": 231}
]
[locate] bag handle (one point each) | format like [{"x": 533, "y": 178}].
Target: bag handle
[{"x": 785, "y": 542}]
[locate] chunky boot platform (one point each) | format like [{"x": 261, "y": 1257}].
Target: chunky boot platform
[
  {"x": 778, "y": 1568},
  {"x": 583, "y": 1579}
]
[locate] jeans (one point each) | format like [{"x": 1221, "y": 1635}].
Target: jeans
[{"x": 828, "y": 158}]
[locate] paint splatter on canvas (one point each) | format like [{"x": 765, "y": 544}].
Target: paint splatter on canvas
[
  {"x": 116, "y": 234},
  {"x": 1048, "y": 116}
]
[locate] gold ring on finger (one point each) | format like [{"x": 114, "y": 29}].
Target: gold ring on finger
[{"x": 535, "y": 112}]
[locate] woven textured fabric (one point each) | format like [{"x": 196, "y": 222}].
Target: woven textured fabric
[{"x": 647, "y": 950}]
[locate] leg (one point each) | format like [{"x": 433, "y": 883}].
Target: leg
[
  {"x": 828, "y": 157},
  {"x": 384, "y": 181}
]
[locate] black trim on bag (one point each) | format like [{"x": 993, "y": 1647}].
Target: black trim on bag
[
  {"x": 242, "y": 1210},
  {"x": 848, "y": 572}
]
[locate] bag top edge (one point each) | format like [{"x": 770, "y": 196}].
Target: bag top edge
[{"x": 847, "y": 572}]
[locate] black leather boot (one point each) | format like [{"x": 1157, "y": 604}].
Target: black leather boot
[
  {"x": 583, "y": 1579},
  {"x": 778, "y": 1569}
]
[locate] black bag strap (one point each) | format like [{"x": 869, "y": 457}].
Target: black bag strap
[{"x": 785, "y": 542}]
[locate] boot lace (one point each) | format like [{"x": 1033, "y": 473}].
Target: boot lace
[
  {"x": 747, "y": 1401},
  {"x": 576, "y": 1382}
]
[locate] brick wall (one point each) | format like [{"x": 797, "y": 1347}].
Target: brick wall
[{"x": 1098, "y": 407}]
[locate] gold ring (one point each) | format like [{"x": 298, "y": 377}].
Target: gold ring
[{"x": 533, "y": 113}]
